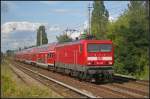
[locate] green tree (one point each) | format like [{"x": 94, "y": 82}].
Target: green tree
[
  {"x": 130, "y": 34},
  {"x": 138, "y": 36},
  {"x": 84, "y": 34},
  {"x": 99, "y": 20},
  {"x": 40, "y": 31},
  {"x": 63, "y": 38},
  {"x": 2, "y": 57},
  {"x": 10, "y": 52}
]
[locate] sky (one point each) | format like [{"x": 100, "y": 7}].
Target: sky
[{"x": 21, "y": 19}]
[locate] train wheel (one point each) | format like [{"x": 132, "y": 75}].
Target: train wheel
[
  {"x": 88, "y": 77},
  {"x": 110, "y": 78},
  {"x": 33, "y": 64},
  {"x": 80, "y": 76},
  {"x": 71, "y": 73},
  {"x": 76, "y": 74},
  {"x": 48, "y": 68},
  {"x": 54, "y": 69},
  {"x": 63, "y": 71}
]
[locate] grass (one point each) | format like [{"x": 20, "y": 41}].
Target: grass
[
  {"x": 11, "y": 88},
  {"x": 142, "y": 76},
  {"x": 145, "y": 74}
]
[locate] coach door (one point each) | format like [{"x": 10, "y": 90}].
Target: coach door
[
  {"x": 46, "y": 58},
  {"x": 75, "y": 59}
]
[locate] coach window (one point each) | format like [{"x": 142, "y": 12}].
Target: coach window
[{"x": 49, "y": 55}]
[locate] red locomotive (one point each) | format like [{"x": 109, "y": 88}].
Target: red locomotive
[{"x": 86, "y": 59}]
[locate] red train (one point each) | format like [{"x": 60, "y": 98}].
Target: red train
[{"x": 86, "y": 59}]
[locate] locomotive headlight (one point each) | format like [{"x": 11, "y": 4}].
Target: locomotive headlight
[
  {"x": 109, "y": 62},
  {"x": 89, "y": 63}
]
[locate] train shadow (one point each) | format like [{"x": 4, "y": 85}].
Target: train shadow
[{"x": 112, "y": 81}]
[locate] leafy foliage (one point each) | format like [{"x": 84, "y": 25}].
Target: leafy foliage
[
  {"x": 130, "y": 34},
  {"x": 99, "y": 20},
  {"x": 63, "y": 38},
  {"x": 41, "y": 30}
]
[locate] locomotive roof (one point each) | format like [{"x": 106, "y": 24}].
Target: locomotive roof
[
  {"x": 46, "y": 47},
  {"x": 83, "y": 41}
]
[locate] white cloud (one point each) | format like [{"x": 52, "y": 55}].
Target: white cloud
[
  {"x": 53, "y": 28},
  {"x": 74, "y": 34},
  {"x": 60, "y": 10},
  {"x": 111, "y": 19},
  {"x": 49, "y": 2},
  {"x": 20, "y": 26},
  {"x": 86, "y": 25},
  {"x": 24, "y": 26}
]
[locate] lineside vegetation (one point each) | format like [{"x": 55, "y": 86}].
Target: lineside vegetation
[{"x": 12, "y": 87}]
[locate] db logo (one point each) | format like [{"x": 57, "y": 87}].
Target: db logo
[{"x": 99, "y": 58}]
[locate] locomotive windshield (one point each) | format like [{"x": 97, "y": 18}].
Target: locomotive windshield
[{"x": 99, "y": 47}]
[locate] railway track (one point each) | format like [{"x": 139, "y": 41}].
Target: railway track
[
  {"x": 115, "y": 90},
  {"x": 55, "y": 83},
  {"x": 130, "y": 79}
]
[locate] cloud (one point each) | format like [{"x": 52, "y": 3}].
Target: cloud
[
  {"x": 24, "y": 26},
  {"x": 68, "y": 11},
  {"x": 86, "y": 25},
  {"x": 53, "y": 28},
  {"x": 60, "y": 10},
  {"x": 77, "y": 33},
  {"x": 74, "y": 34},
  {"x": 49, "y": 2},
  {"x": 20, "y": 34},
  {"x": 111, "y": 19},
  {"x": 19, "y": 26}
]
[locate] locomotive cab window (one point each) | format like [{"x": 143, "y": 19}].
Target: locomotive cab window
[{"x": 99, "y": 47}]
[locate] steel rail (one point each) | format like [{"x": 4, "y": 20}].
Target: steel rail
[
  {"x": 62, "y": 84},
  {"x": 115, "y": 89},
  {"x": 130, "y": 78}
]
